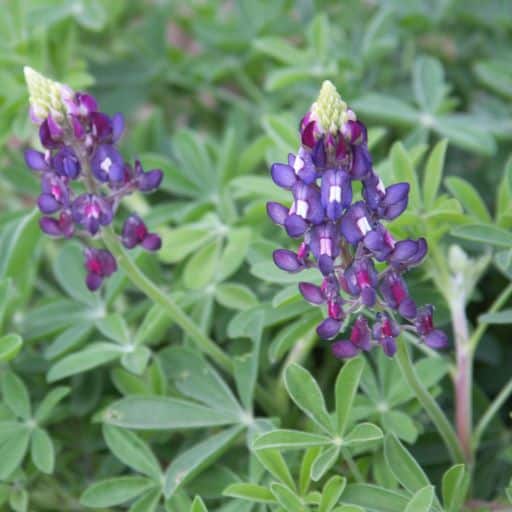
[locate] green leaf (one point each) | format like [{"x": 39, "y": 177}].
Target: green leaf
[
  {"x": 148, "y": 502},
  {"x": 114, "y": 491},
  {"x": 197, "y": 379},
  {"x": 331, "y": 493},
  {"x": 399, "y": 424},
  {"x": 363, "y": 433},
  {"x": 251, "y": 492},
  {"x": 234, "y": 253},
  {"x": 503, "y": 260},
  {"x": 13, "y": 449},
  {"x": 42, "y": 451},
  {"x": 200, "y": 268},
  {"x": 114, "y": 327},
  {"x": 189, "y": 463},
  {"x": 163, "y": 413},
  {"x": 306, "y": 393},
  {"x": 433, "y": 173},
  {"x": 499, "y": 318},
  {"x": 345, "y": 391},
  {"x": 463, "y": 131},
  {"x": 179, "y": 243},
  {"x": 485, "y": 234},
  {"x": 18, "y": 500},
  {"x": 91, "y": 357},
  {"x": 455, "y": 487},
  {"x": 319, "y": 35},
  {"x": 274, "y": 463},
  {"x": 69, "y": 339},
  {"x": 374, "y": 499},
  {"x": 10, "y": 345},
  {"x": 281, "y": 131},
  {"x": 49, "y": 402},
  {"x": 422, "y": 500},
  {"x": 136, "y": 360},
  {"x": 290, "y": 440},
  {"x": 405, "y": 468},
  {"x": 468, "y": 197},
  {"x": 386, "y": 108},
  {"x": 305, "y": 469},
  {"x": 287, "y": 498},
  {"x": 235, "y": 296},
  {"x": 198, "y": 505},
  {"x": 496, "y": 74},
  {"x": 15, "y": 395},
  {"x": 132, "y": 451},
  {"x": 324, "y": 462},
  {"x": 278, "y": 48},
  {"x": 428, "y": 83},
  {"x": 403, "y": 170}
]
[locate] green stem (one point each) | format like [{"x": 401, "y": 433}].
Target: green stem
[
  {"x": 429, "y": 404},
  {"x": 352, "y": 465},
  {"x": 496, "y": 306},
  {"x": 139, "y": 279},
  {"x": 491, "y": 411}
]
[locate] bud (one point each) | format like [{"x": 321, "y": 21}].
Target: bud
[
  {"x": 46, "y": 96},
  {"x": 329, "y": 109}
]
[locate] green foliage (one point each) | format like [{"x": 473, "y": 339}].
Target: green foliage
[{"x": 107, "y": 405}]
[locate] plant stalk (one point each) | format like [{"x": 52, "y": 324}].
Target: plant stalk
[{"x": 429, "y": 404}]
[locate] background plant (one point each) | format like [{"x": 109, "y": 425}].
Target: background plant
[{"x": 213, "y": 93}]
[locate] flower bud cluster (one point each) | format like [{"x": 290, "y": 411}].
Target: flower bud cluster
[
  {"x": 82, "y": 173},
  {"x": 339, "y": 209}
]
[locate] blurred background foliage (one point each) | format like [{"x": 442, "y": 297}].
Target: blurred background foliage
[{"x": 213, "y": 92}]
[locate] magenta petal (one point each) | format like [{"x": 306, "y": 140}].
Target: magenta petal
[
  {"x": 344, "y": 349},
  {"x": 312, "y": 293},
  {"x": 286, "y": 260}
]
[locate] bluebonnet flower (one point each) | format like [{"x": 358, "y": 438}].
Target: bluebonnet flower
[
  {"x": 83, "y": 175},
  {"x": 343, "y": 233}
]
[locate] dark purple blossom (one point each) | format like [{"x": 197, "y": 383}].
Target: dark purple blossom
[
  {"x": 136, "y": 233},
  {"x": 99, "y": 264},
  {"x": 91, "y": 212},
  {"x": 344, "y": 239},
  {"x": 107, "y": 164}
]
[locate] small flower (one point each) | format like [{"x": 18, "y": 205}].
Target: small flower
[
  {"x": 107, "y": 164},
  {"x": 99, "y": 264},
  {"x": 136, "y": 233},
  {"x": 66, "y": 163},
  {"x": 55, "y": 194},
  {"x": 360, "y": 280},
  {"x": 62, "y": 226},
  {"x": 360, "y": 339},
  {"x": 36, "y": 160},
  {"x": 147, "y": 181},
  {"x": 396, "y": 295},
  {"x": 434, "y": 338},
  {"x": 91, "y": 212},
  {"x": 385, "y": 331}
]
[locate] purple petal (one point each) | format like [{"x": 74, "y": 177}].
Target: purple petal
[
  {"x": 395, "y": 193},
  {"x": 283, "y": 175},
  {"x": 328, "y": 328},
  {"x": 325, "y": 264},
  {"x": 150, "y": 180},
  {"x": 152, "y": 242},
  {"x": 117, "y": 126},
  {"x": 286, "y": 260},
  {"x": 277, "y": 212},
  {"x": 436, "y": 339},
  {"x": 47, "y": 203},
  {"x": 295, "y": 225},
  {"x": 50, "y": 226},
  {"x": 368, "y": 296},
  {"x": 389, "y": 346},
  {"x": 344, "y": 349},
  {"x": 407, "y": 308},
  {"x": 93, "y": 281},
  {"x": 361, "y": 163},
  {"x": 312, "y": 293},
  {"x": 35, "y": 160}
]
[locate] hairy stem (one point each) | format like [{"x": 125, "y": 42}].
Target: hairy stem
[
  {"x": 463, "y": 381},
  {"x": 429, "y": 404}
]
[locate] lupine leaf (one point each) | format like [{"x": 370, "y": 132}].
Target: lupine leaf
[
  {"x": 287, "y": 498},
  {"x": 13, "y": 449},
  {"x": 455, "y": 487},
  {"x": 374, "y": 499},
  {"x": 468, "y": 197},
  {"x": 252, "y": 492},
  {"x": 49, "y": 402},
  {"x": 275, "y": 464},
  {"x": 305, "y": 392},
  {"x": 331, "y": 493},
  {"x": 345, "y": 391},
  {"x": 290, "y": 439},
  {"x": 115, "y": 491},
  {"x": 324, "y": 461},
  {"x": 10, "y": 345},
  {"x": 15, "y": 395},
  {"x": 422, "y": 500},
  {"x": 485, "y": 234},
  {"x": 433, "y": 173},
  {"x": 42, "y": 451}
]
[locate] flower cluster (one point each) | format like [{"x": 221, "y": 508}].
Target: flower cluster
[
  {"x": 338, "y": 209},
  {"x": 83, "y": 176}
]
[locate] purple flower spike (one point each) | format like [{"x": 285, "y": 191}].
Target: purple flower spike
[
  {"x": 91, "y": 212},
  {"x": 336, "y": 193},
  {"x": 99, "y": 264},
  {"x": 346, "y": 239},
  {"x": 36, "y": 160},
  {"x": 287, "y": 260},
  {"x": 136, "y": 233},
  {"x": 107, "y": 164}
]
